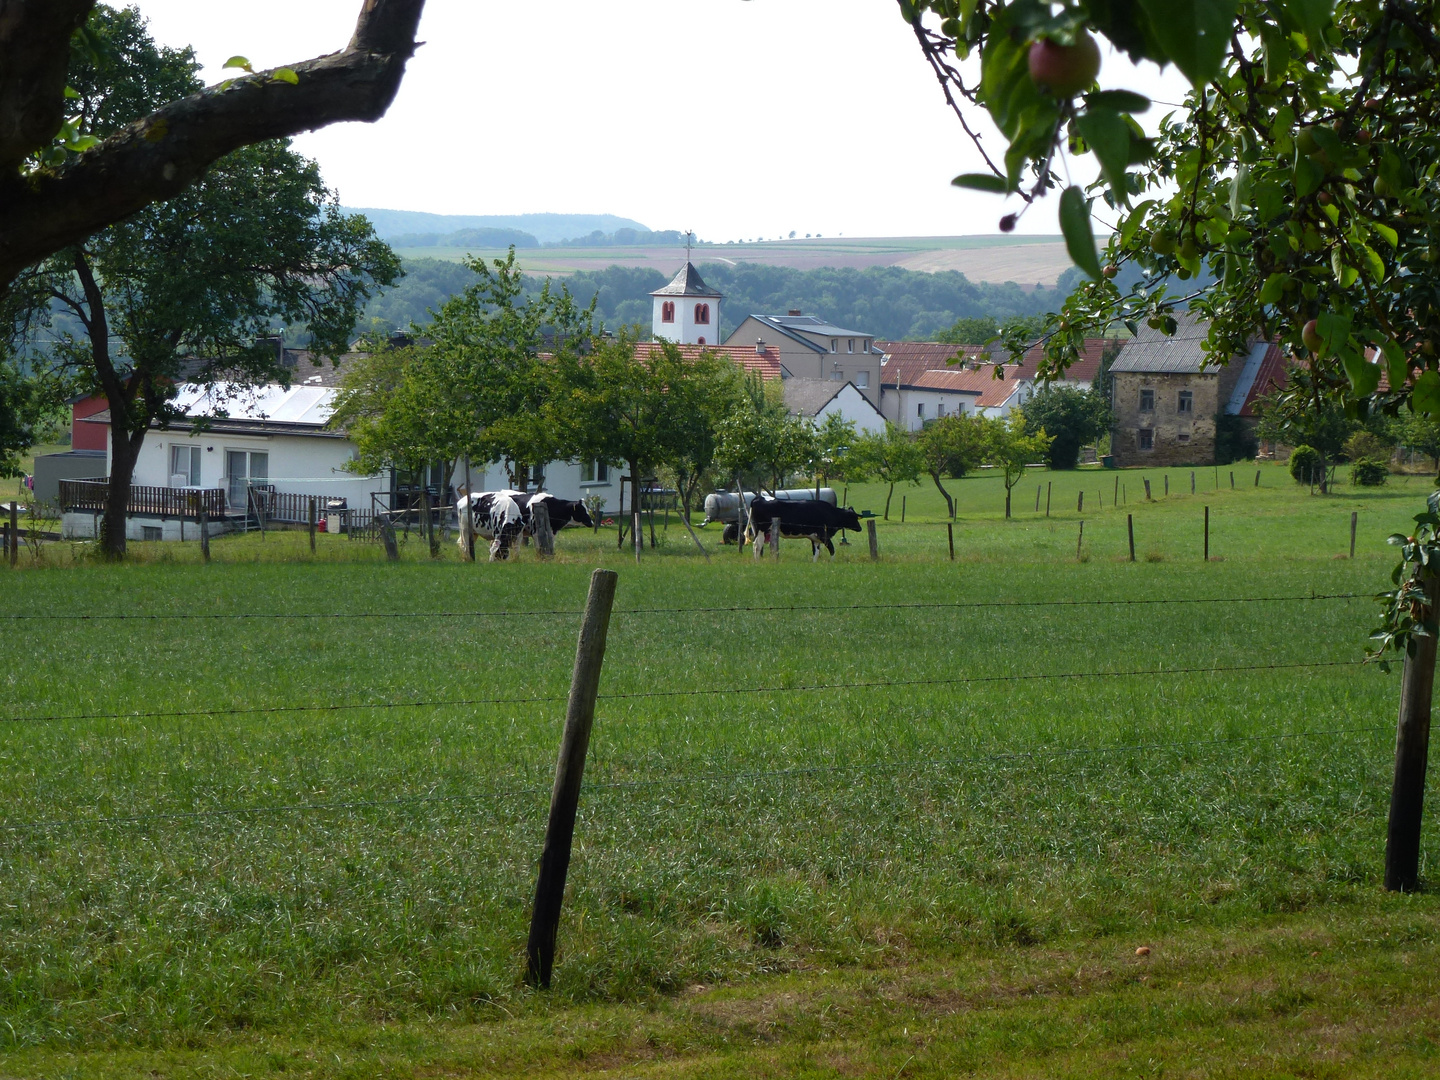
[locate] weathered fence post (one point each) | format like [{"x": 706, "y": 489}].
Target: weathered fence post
[
  {"x": 1167, "y": 485},
  {"x": 1147, "y": 489},
  {"x": 1037, "y": 497},
  {"x": 312, "y": 524},
  {"x": 874, "y": 541},
  {"x": 1207, "y": 534},
  {"x": 902, "y": 509},
  {"x": 637, "y": 533},
  {"x": 14, "y": 532},
  {"x": 544, "y": 535},
  {"x": 203, "y": 525},
  {"x": 1257, "y": 477},
  {"x": 1047, "y": 498},
  {"x": 1080, "y": 503},
  {"x": 1115, "y": 499},
  {"x": 1412, "y": 749},
  {"x": 1130, "y": 528},
  {"x": 387, "y": 534},
  {"x": 1354, "y": 518},
  {"x": 950, "y": 533},
  {"x": 1232, "y": 479},
  {"x": 775, "y": 538},
  {"x": 569, "y": 771},
  {"x": 1079, "y": 540},
  {"x": 1192, "y": 481}
]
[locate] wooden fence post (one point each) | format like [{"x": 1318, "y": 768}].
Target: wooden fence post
[
  {"x": 14, "y": 532},
  {"x": 1412, "y": 749},
  {"x": 1130, "y": 528},
  {"x": 1207, "y": 534},
  {"x": 312, "y": 524},
  {"x": 950, "y": 533},
  {"x": 1037, "y": 497},
  {"x": 1167, "y": 485},
  {"x": 387, "y": 534},
  {"x": 902, "y": 509},
  {"x": 1080, "y": 540},
  {"x": 1147, "y": 489},
  {"x": 775, "y": 538},
  {"x": 544, "y": 534},
  {"x": 1080, "y": 503},
  {"x": 1047, "y": 498},
  {"x": 1257, "y": 477},
  {"x": 1192, "y": 481},
  {"x": 1115, "y": 499},
  {"x": 637, "y": 533},
  {"x": 569, "y": 771},
  {"x": 1354, "y": 517},
  {"x": 1232, "y": 479},
  {"x": 203, "y": 525},
  {"x": 874, "y": 541}
]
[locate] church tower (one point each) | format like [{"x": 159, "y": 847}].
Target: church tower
[{"x": 687, "y": 310}]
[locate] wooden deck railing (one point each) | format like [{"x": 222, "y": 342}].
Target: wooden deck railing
[{"x": 90, "y": 495}]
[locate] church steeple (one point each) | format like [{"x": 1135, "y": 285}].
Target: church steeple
[{"x": 687, "y": 310}]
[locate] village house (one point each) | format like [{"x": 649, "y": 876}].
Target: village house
[
  {"x": 925, "y": 380},
  {"x": 1167, "y": 397},
  {"x": 811, "y": 348}
]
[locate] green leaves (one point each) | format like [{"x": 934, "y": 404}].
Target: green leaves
[
  {"x": 982, "y": 182},
  {"x": 1425, "y": 398},
  {"x": 1313, "y": 16},
  {"x": 1397, "y": 368},
  {"x": 286, "y": 75},
  {"x": 239, "y": 62},
  {"x": 1309, "y": 175},
  {"x": 1364, "y": 376},
  {"x": 1195, "y": 33},
  {"x": 1120, "y": 100},
  {"x": 1274, "y": 288},
  {"x": 1105, "y": 132},
  {"x": 1075, "y": 224}
]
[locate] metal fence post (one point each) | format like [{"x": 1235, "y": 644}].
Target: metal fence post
[{"x": 569, "y": 771}]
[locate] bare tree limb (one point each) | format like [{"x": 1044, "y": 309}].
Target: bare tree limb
[{"x": 158, "y": 156}]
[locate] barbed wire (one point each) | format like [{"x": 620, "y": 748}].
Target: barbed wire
[
  {"x": 909, "y": 764},
  {"x": 808, "y": 608},
  {"x": 958, "y": 680}
]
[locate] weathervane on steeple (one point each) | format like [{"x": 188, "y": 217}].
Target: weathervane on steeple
[{"x": 689, "y": 236}]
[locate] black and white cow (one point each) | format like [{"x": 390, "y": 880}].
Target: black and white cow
[
  {"x": 816, "y": 521},
  {"x": 498, "y": 517},
  {"x": 562, "y": 512}
]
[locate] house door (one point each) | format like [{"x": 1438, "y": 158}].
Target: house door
[{"x": 245, "y": 467}]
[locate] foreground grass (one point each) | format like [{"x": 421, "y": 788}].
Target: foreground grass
[{"x": 973, "y": 863}]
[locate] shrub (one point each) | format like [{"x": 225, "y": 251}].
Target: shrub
[
  {"x": 1304, "y": 463},
  {"x": 1367, "y": 446},
  {"x": 1367, "y": 472}
]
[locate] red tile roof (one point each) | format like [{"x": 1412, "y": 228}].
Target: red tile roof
[
  {"x": 928, "y": 365},
  {"x": 743, "y": 356}
]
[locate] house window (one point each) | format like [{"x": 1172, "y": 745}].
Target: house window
[
  {"x": 920, "y": 410},
  {"x": 834, "y": 345},
  {"x": 1147, "y": 400},
  {"x": 1187, "y": 402},
  {"x": 862, "y": 380},
  {"x": 940, "y": 409},
  {"x": 151, "y": 532},
  {"x": 850, "y": 345},
  {"x": 184, "y": 466},
  {"x": 1183, "y": 436},
  {"x": 667, "y": 311},
  {"x": 245, "y": 467},
  {"x": 837, "y": 375},
  {"x": 700, "y": 340},
  {"x": 1147, "y": 439},
  {"x": 594, "y": 472},
  {"x": 702, "y": 315}
]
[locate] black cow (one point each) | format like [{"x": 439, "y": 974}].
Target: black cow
[{"x": 816, "y": 521}]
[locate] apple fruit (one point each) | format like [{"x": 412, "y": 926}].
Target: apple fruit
[
  {"x": 1189, "y": 248},
  {"x": 1065, "y": 70},
  {"x": 1110, "y": 270},
  {"x": 1310, "y": 335},
  {"x": 1163, "y": 242},
  {"x": 1324, "y": 198}
]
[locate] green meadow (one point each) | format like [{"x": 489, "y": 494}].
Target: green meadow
[{"x": 910, "y": 817}]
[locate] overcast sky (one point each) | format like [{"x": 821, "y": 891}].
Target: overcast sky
[{"x": 736, "y": 118}]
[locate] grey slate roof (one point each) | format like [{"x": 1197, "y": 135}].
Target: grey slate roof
[
  {"x": 1154, "y": 353},
  {"x": 688, "y": 282},
  {"x": 806, "y": 397}
]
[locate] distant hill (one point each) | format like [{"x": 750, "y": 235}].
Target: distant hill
[{"x": 545, "y": 228}]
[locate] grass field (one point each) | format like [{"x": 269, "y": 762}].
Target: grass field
[
  {"x": 948, "y": 875},
  {"x": 1026, "y": 260}
]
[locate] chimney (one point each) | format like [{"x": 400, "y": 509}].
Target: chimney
[
  {"x": 759, "y": 346},
  {"x": 793, "y": 311}
]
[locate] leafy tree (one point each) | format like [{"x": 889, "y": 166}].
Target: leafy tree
[
  {"x": 895, "y": 457},
  {"x": 970, "y": 330},
  {"x": 1303, "y": 415},
  {"x": 835, "y": 439},
  {"x": 502, "y": 347},
  {"x": 1421, "y": 434},
  {"x": 1234, "y": 439},
  {"x": 1071, "y": 417},
  {"x": 20, "y": 411},
  {"x": 1012, "y": 448},
  {"x": 1297, "y": 175},
  {"x": 63, "y": 178},
  {"x": 952, "y": 446}
]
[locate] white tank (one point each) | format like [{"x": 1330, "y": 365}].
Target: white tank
[{"x": 721, "y": 505}]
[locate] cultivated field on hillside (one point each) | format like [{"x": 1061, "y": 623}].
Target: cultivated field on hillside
[
  {"x": 1026, "y": 260},
  {"x": 845, "y": 818}
]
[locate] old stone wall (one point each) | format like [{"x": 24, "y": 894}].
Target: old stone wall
[{"x": 1176, "y": 437}]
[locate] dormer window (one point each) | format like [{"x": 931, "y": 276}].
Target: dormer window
[
  {"x": 667, "y": 311},
  {"x": 702, "y": 314}
]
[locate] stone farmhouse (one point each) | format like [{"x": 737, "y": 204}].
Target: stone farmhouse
[{"x": 1167, "y": 398}]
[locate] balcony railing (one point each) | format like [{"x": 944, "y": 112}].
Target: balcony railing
[{"x": 90, "y": 495}]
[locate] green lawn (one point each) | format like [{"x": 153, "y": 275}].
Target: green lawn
[{"x": 907, "y": 879}]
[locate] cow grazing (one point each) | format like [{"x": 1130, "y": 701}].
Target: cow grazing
[
  {"x": 816, "y": 521},
  {"x": 497, "y": 516},
  {"x": 562, "y": 512}
]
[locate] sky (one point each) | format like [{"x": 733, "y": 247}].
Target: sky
[{"x": 738, "y": 119}]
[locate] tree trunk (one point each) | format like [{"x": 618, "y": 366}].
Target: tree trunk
[
  {"x": 949, "y": 502},
  {"x": 1007, "y": 503},
  {"x": 124, "y": 451},
  {"x": 888, "y": 495},
  {"x": 428, "y": 509},
  {"x": 635, "y": 494}
]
